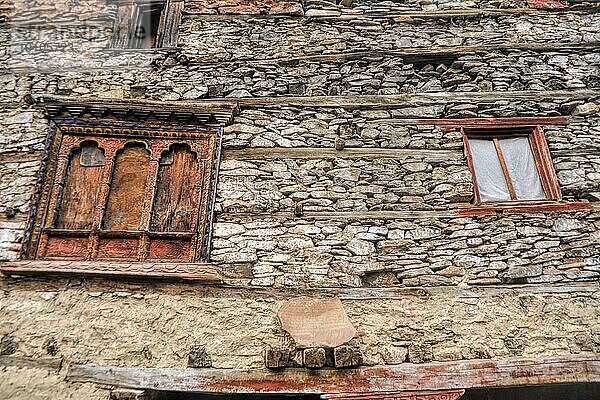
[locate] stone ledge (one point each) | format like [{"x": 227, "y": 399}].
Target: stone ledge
[{"x": 204, "y": 273}]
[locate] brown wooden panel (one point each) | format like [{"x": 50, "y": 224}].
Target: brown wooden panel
[
  {"x": 180, "y": 271},
  {"x": 80, "y": 193},
  {"x": 118, "y": 248},
  {"x": 170, "y": 249},
  {"x": 170, "y": 24},
  {"x": 66, "y": 247},
  {"x": 127, "y": 191},
  {"x": 122, "y": 27},
  {"x": 175, "y": 202}
]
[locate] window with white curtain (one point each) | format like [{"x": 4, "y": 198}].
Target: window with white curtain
[{"x": 510, "y": 165}]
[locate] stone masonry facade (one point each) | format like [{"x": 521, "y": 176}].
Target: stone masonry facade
[{"x": 341, "y": 175}]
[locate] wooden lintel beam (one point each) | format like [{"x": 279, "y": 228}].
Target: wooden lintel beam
[
  {"x": 408, "y": 55},
  {"x": 197, "y": 272},
  {"x": 456, "y": 210},
  {"x": 320, "y": 153},
  {"x": 362, "y": 101},
  {"x": 403, "y": 377},
  {"x": 451, "y": 123},
  {"x": 51, "y": 364}
]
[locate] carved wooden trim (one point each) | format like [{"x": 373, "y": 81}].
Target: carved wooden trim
[
  {"x": 205, "y": 273},
  {"x": 183, "y": 115},
  {"x": 67, "y": 134},
  {"x": 421, "y": 395}
]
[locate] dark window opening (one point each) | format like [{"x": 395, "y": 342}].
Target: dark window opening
[{"x": 145, "y": 24}]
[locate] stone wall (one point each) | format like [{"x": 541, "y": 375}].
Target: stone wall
[
  {"x": 157, "y": 325},
  {"x": 379, "y": 223}
]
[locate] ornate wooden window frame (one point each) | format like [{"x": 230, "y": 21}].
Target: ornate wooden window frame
[{"x": 114, "y": 125}]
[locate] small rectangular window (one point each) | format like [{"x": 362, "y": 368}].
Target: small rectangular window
[
  {"x": 511, "y": 164},
  {"x": 146, "y": 24}
]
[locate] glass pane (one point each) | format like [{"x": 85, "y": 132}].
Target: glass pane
[
  {"x": 522, "y": 169},
  {"x": 488, "y": 172}
]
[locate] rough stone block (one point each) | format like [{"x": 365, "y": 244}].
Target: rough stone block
[
  {"x": 277, "y": 358},
  {"x": 420, "y": 353},
  {"x": 314, "y": 357},
  {"x": 8, "y": 345},
  {"x": 199, "y": 358},
  {"x": 347, "y": 356}
]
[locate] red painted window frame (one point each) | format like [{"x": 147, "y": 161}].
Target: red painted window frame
[{"x": 541, "y": 155}]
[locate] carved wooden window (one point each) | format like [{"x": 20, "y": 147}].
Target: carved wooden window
[
  {"x": 510, "y": 164},
  {"x": 145, "y": 24},
  {"x": 128, "y": 194}
]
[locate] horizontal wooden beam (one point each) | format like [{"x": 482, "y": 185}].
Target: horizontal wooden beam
[
  {"x": 416, "y": 99},
  {"x": 457, "y": 210},
  {"x": 391, "y": 14},
  {"x": 403, "y": 377},
  {"x": 366, "y": 101},
  {"x": 475, "y": 122},
  {"x": 205, "y": 273},
  {"x": 454, "y": 394},
  {"x": 52, "y": 363},
  {"x": 408, "y": 54},
  {"x": 321, "y": 152}
]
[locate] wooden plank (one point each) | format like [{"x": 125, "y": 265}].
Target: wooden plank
[
  {"x": 403, "y": 377},
  {"x": 420, "y": 395},
  {"x": 411, "y": 54},
  {"x": 14, "y": 156},
  {"x": 175, "y": 204},
  {"x": 123, "y": 26},
  {"x": 170, "y": 27},
  {"x": 261, "y": 153},
  {"x": 434, "y": 14},
  {"x": 177, "y": 271},
  {"x": 81, "y": 189},
  {"x": 366, "y": 101},
  {"x": 52, "y": 363},
  {"x": 509, "y": 184},
  {"x": 475, "y": 122},
  {"x": 457, "y": 210},
  {"x": 127, "y": 190},
  {"x": 403, "y": 100}
]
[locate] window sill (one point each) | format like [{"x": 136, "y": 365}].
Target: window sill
[
  {"x": 204, "y": 273},
  {"x": 523, "y": 207}
]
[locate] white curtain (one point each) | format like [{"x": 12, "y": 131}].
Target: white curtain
[
  {"x": 522, "y": 169},
  {"x": 519, "y": 162},
  {"x": 488, "y": 172}
]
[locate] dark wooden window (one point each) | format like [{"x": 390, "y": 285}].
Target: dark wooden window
[
  {"x": 127, "y": 194},
  {"x": 510, "y": 165},
  {"x": 145, "y": 24}
]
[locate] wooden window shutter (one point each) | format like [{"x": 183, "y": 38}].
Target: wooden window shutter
[{"x": 169, "y": 26}]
